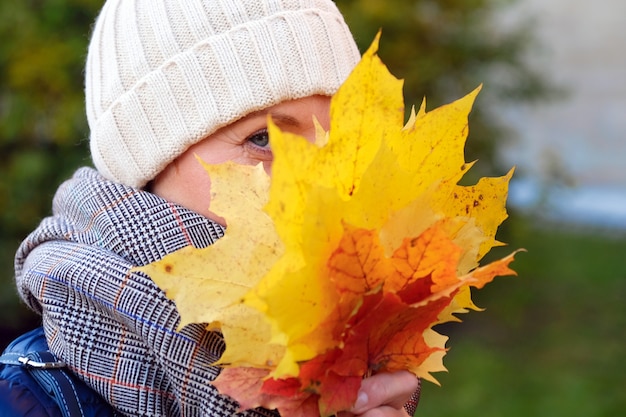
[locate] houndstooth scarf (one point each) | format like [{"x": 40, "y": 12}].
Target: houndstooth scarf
[{"x": 116, "y": 329}]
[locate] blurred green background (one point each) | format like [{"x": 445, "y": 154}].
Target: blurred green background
[{"x": 551, "y": 342}]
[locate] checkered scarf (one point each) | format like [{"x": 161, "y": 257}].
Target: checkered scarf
[{"x": 116, "y": 329}]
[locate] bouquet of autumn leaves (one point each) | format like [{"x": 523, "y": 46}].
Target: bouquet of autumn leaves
[{"x": 340, "y": 266}]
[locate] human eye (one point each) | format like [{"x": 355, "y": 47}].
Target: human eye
[
  {"x": 258, "y": 143},
  {"x": 259, "y": 138}
]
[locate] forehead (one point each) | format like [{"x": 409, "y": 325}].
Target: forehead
[{"x": 295, "y": 111}]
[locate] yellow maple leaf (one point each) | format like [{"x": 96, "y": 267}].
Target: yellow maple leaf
[
  {"x": 208, "y": 284},
  {"x": 374, "y": 174},
  {"x": 361, "y": 243}
]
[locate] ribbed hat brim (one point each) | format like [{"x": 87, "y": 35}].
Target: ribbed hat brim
[{"x": 220, "y": 79}]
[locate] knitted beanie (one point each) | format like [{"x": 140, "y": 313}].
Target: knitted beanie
[{"x": 162, "y": 75}]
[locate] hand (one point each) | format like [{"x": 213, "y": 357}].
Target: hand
[{"x": 384, "y": 395}]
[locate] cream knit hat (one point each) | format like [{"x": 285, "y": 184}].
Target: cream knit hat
[{"x": 163, "y": 74}]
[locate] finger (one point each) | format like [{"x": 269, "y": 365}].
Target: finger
[
  {"x": 390, "y": 389},
  {"x": 383, "y": 411}
]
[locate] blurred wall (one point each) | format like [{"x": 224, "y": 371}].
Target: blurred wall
[{"x": 584, "y": 135}]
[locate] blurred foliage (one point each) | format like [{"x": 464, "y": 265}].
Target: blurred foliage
[
  {"x": 443, "y": 49},
  {"x": 42, "y": 122}
]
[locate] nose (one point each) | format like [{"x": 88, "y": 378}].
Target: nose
[{"x": 267, "y": 166}]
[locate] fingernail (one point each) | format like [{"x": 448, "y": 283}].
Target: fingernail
[{"x": 361, "y": 401}]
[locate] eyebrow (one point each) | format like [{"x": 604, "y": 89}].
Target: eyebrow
[{"x": 282, "y": 118}]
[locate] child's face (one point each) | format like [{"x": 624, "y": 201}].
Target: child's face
[{"x": 245, "y": 141}]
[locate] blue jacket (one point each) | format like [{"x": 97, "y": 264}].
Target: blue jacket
[{"x": 34, "y": 383}]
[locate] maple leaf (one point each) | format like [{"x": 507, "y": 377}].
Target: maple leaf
[
  {"x": 208, "y": 284},
  {"x": 343, "y": 263}
]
